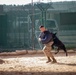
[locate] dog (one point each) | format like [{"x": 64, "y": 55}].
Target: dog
[{"x": 57, "y": 43}]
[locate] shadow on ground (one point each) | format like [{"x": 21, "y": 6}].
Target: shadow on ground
[
  {"x": 70, "y": 64},
  {"x": 36, "y": 73}
]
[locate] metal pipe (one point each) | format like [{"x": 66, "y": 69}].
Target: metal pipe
[{"x": 33, "y": 44}]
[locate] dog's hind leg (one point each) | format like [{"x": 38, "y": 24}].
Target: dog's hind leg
[
  {"x": 57, "y": 51},
  {"x": 66, "y": 52},
  {"x": 63, "y": 47}
]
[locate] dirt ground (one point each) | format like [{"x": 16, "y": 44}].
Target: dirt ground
[{"x": 35, "y": 64}]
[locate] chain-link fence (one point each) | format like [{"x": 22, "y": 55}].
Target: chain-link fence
[{"x": 19, "y": 29}]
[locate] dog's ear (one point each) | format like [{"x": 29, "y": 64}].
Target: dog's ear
[{"x": 55, "y": 33}]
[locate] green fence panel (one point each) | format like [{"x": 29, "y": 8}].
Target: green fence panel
[{"x": 3, "y": 30}]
